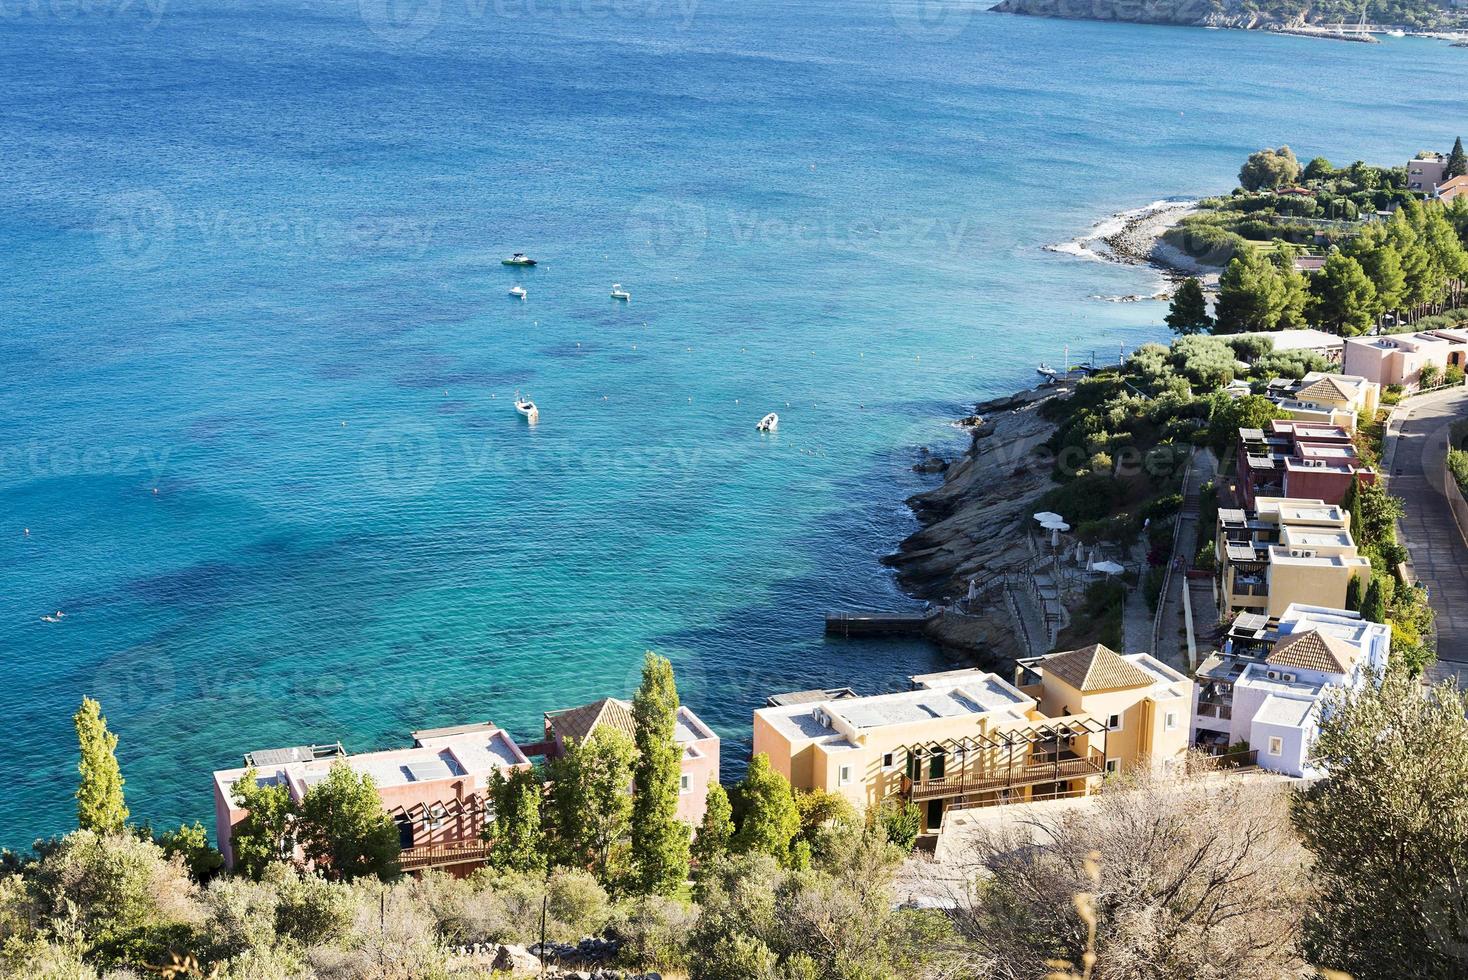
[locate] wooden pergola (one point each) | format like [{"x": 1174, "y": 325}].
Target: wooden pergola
[
  {"x": 1029, "y": 756},
  {"x": 452, "y": 831}
]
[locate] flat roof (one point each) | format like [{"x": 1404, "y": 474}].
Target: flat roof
[{"x": 1287, "y": 712}]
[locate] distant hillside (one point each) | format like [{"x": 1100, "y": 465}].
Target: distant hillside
[{"x": 1248, "y": 14}]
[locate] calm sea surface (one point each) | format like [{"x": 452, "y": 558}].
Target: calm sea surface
[{"x": 257, "y": 355}]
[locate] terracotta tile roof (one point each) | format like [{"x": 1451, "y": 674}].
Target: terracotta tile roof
[
  {"x": 1314, "y": 650},
  {"x": 1095, "y": 668},
  {"x": 1458, "y": 186},
  {"x": 1326, "y": 389},
  {"x": 575, "y": 724}
]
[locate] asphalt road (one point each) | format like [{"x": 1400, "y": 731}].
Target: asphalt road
[{"x": 1416, "y": 443}]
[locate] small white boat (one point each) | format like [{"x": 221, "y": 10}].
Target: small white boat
[
  {"x": 619, "y": 293},
  {"x": 519, "y": 258},
  {"x": 769, "y": 423},
  {"x": 1396, "y": 33},
  {"x": 518, "y": 292},
  {"x": 1047, "y": 372},
  {"x": 526, "y": 407}
]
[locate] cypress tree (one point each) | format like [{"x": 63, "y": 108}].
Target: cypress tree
[
  {"x": 1351, "y": 504},
  {"x": 659, "y": 839},
  {"x": 1189, "y": 311},
  {"x": 765, "y": 812},
  {"x": 99, "y": 801},
  {"x": 1457, "y": 161},
  {"x": 589, "y": 809},
  {"x": 717, "y": 828},
  {"x": 1373, "y": 606},
  {"x": 514, "y": 834}
]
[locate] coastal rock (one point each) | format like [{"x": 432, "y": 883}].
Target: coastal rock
[
  {"x": 979, "y": 518},
  {"x": 515, "y": 959}
]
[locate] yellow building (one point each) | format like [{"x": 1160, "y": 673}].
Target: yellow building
[
  {"x": 1331, "y": 399},
  {"x": 966, "y": 738},
  {"x": 1286, "y": 552}
]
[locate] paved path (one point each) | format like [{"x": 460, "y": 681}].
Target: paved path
[
  {"x": 1170, "y": 645},
  {"x": 1416, "y": 441}
]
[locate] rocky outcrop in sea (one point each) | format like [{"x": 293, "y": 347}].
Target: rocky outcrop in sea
[{"x": 978, "y": 520}]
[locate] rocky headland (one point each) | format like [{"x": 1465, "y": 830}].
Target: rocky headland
[
  {"x": 979, "y": 518},
  {"x": 1234, "y": 14}
]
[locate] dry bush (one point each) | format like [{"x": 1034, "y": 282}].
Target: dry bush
[{"x": 1200, "y": 877}]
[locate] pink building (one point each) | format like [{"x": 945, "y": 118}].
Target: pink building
[
  {"x": 1397, "y": 359},
  {"x": 434, "y": 790},
  {"x": 699, "y": 745},
  {"x": 1298, "y": 460},
  {"x": 1425, "y": 173}
]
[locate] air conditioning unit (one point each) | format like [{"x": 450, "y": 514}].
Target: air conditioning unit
[{"x": 1272, "y": 674}]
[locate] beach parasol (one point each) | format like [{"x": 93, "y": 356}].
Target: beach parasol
[{"x": 1108, "y": 568}]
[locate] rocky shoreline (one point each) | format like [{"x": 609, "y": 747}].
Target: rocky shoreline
[
  {"x": 977, "y": 520},
  {"x": 1136, "y": 238}
]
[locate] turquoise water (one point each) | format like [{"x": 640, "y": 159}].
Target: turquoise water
[{"x": 258, "y": 355}]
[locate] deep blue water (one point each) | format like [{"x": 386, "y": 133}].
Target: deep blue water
[{"x": 257, "y": 356}]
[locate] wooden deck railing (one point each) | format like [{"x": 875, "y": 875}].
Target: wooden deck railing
[
  {"x": 443, "y": 855},
  {"x": 1003, "y": 777}
]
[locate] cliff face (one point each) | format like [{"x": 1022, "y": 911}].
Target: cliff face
[{"x": 1194, "y": 12}]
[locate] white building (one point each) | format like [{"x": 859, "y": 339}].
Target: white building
[{"x": 1269, "y": 685}]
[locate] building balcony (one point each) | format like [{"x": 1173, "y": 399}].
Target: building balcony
[
  {"x": 1215, "y": 708},
  {"x": 444, "y": 855},
  {"x": 1033, "y": 772}
]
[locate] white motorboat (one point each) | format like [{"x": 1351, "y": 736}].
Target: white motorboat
[
  {"x": 526, "y": 407},
  {"x": 519, "y": 258},
  {"x": 518, "y": 292},
  {"x": 1047, "y": 372},
  {"x": 1395, "y": 33},
  {"x": 619, "y": 293},
  {"x": 769, "y": 423}
]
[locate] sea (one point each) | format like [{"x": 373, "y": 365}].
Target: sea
[{"x": 261, "y": 479}]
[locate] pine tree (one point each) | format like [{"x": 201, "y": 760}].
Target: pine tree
[
  {"x": 345, "y": 830},
  {"x": 1457, "y": 161},
  {"x": 513, "y": 832},
  {"x": 1382, "y": 264},
  {"x": 1189, "y": 311},
  {"x": 717, "y": 828},
  {"x": 659, "y": 838},
  {"x": 764, "y": 811},
  {"x": 1250, "y": 294},
  {"x": 100, "y": 805},
  {"x": 1294, "y": 291},
  {"x": 1342, "y": 297}
]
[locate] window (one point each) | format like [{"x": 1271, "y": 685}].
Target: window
[
  {"x": 683, "y": 783},
  {"x": 1169, "y": 721},
  {"x": 844, "y": 776},
  {"x": 889, "y": 760},
  {"x": 1113, "y": 723},
  {"x": 435, "y": 817},
  {"x": 1113, "y": 765},
  {"x": 1276, "y": 745}
]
